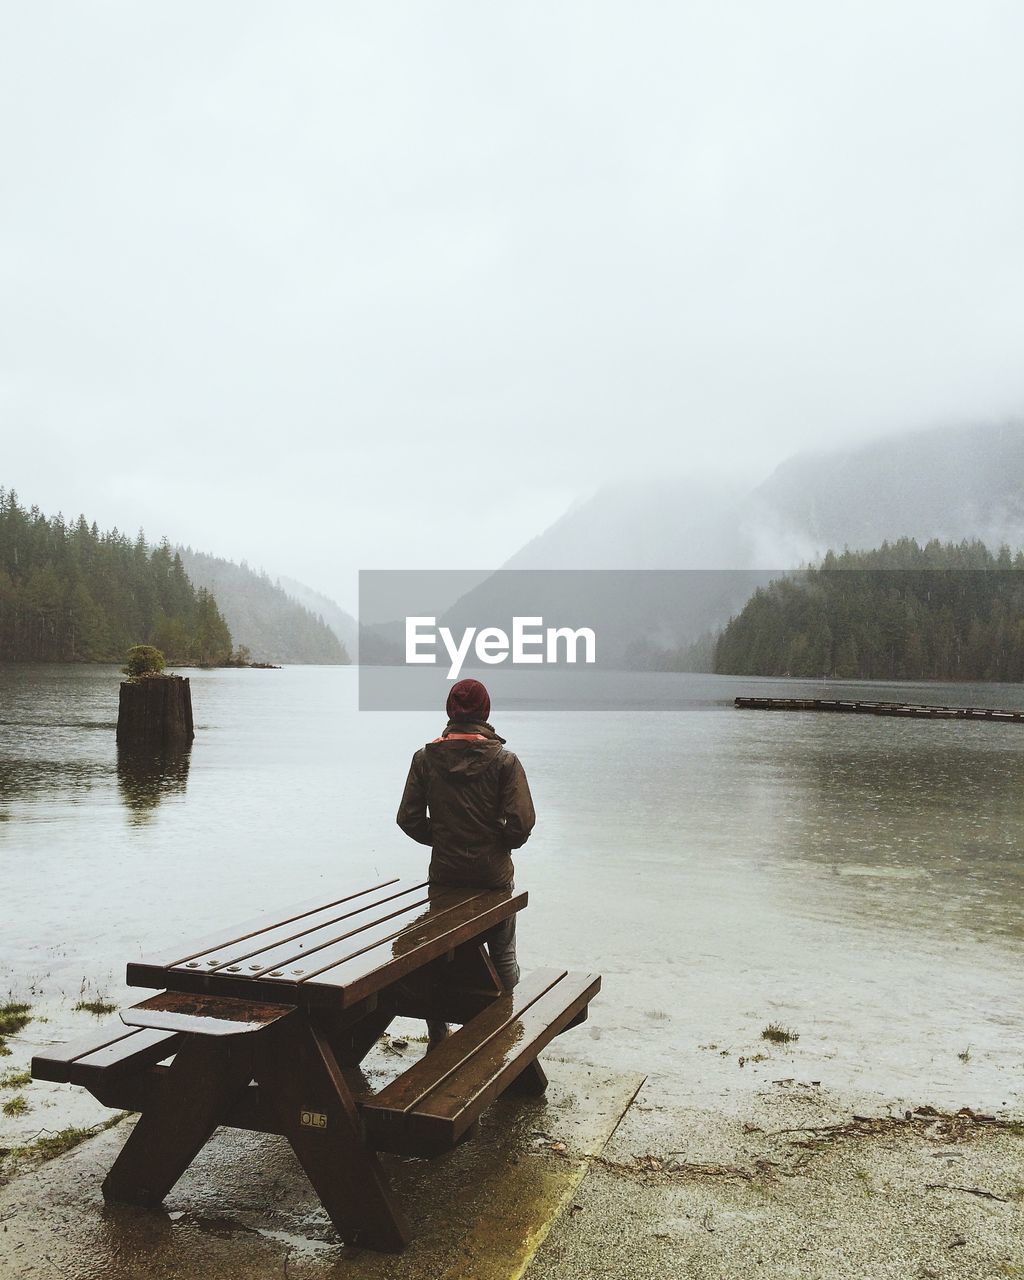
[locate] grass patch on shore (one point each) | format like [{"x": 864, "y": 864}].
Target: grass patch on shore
[
  {"x": 98, "y": 1008},
  {"x": 13, "y": 1016},
  {"x": 778, "y": 1034},
  {"x": 17, "y": 1106},
  {"x": 50, "y": 1145},
  {"x": 15, "y": 1079},
  {"x": 55, "y": 1144}
]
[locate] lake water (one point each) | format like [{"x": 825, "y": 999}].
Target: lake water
[{"x": 858, "y": 879}]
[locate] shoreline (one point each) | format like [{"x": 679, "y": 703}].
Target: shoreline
[
  {"x": 796, "y": 1183},
  {"x": 798, "y": 1186}
]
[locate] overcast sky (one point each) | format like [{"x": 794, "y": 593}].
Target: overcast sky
[{"x": 383, "y": 285}]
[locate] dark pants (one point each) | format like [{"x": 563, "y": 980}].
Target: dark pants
[{"x": 501, "y": 947}]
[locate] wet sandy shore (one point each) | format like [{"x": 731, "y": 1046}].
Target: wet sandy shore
[
  {"x": 794, "y": 1187},
  {"x": 792, "y": 1181}
]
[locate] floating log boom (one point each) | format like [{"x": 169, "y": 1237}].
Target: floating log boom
[{"x": 910, "y": 710}]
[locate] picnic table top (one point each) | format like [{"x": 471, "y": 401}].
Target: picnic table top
[{"x": 334, "y": 952}]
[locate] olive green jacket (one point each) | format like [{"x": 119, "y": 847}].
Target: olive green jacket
[{"x": 468, "y": 799}]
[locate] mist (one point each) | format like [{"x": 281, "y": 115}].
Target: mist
[{"x": 390, "y": 286}]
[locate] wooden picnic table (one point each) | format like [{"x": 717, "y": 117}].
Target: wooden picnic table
[{"x": 265, "y": 1026}]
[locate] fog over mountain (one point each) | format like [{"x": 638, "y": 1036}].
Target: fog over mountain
[
  {"x": 951, "y": 483},
  {"x": 674, "y": 522},
  {"x": 344, "y": 626},
  {"x": 948, "y": 483}
]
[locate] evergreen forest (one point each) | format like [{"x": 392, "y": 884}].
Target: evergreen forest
[
  {"x": 942, "y": 611},
  {"x": 69, "y": 593}
]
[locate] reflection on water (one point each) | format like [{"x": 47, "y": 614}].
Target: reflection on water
[
  {"x": 145, "y": 777},
  {"x": 918, "y": 824},
  {"x": 51, "y": 721},
  {"x": 26, "y": 777}
]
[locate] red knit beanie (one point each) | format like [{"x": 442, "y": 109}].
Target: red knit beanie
[{"x": 468, "y": 700}]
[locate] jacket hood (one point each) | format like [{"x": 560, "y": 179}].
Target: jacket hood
[{"x": 464, "y": 748}]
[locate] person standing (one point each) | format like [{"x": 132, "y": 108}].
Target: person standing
[{"x": 467, "y": 797}]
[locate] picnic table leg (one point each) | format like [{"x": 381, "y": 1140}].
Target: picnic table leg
[
  {"x": 471, "y": 968},
  {"x": 302, "y": 1084},
  {"x": 532, "y": 1081},
  {"x": 353, "y": 1044},
  {"x": 206, "y": 1075},
  {"x": 468, "y": 971}
]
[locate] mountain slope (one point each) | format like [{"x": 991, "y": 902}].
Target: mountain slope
[
  {"x": 262, "y": 617},
  {"x": 341, "y": 623},
  {"x": 676, "y": 522}
]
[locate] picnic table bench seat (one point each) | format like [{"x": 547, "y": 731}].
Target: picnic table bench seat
[
  {"x": 109, "y": 1056},
  {"x": 430, "y": 1107}
]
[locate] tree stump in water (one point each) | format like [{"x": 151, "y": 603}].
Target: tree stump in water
[{"x": 155, "y": 711}]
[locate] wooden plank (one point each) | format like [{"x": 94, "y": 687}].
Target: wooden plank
[
  {"x": 435, "y": 907},
  {"x": 447, "y": 911},
  {"x": 271, "y": 990},
  {"x": 373, "y": 969},
  {"x": 312, "y": 950},
  {"x": 280, "y": 963},
  {"x": 236, "y": 951},
  {"x": 457, "y": 1101},
  {"x": 115, "y": 1048},
  {"x": 54, "y": 1063},
  {"x": 141, "y": 1048},
  {"x": 262, "y": 950},
  {"x": 387, "y": 965},
  {"x": 204, "y": 1015},
  {"x": 403, "y": 1094},
  {"x": 179, "y": 953}
]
